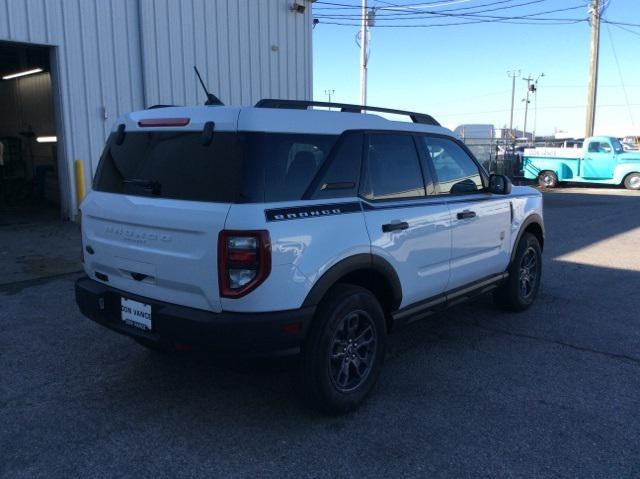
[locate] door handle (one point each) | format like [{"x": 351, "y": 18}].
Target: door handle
[
  {"x": 466, "y": 214},
  {"x": 403, "y": 225}
]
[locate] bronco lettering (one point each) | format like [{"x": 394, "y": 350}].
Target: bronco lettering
[{"x": 128, "y": 234}]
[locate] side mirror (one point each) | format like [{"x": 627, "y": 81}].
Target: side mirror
[{"x": 499, "y": 185}]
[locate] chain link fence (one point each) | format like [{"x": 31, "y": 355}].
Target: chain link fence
[{"x": 495, "y": 154}]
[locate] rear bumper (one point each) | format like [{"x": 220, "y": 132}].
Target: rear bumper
[{"x": 228, "y": 332}]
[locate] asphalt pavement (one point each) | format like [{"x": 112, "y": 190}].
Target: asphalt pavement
[{"x": 553, "y": 391}]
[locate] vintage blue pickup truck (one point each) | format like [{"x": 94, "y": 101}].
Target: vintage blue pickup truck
[{"x": 601, "y": 160}]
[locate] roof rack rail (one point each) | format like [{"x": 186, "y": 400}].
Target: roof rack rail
[
  {"x": 421, "y": 118},
  {"x": 154, "y": 107}
]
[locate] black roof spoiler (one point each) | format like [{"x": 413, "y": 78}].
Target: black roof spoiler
[{"x": 421, "y": 118}]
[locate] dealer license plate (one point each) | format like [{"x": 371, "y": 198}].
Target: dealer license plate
[{"x": 136, "y": 314}]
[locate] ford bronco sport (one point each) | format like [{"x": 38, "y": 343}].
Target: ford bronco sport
[{"x": 287, "y": 228}]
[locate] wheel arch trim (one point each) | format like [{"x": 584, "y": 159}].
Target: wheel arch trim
[
  {"x": 533, "y": 218},
  {"x": 352, "y": 264}
]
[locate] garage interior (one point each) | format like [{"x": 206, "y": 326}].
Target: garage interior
[
  {"x": 34, "y": 242},
  {"x": 29, "y": 186}
]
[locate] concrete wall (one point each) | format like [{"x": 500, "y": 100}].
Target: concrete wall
[{"x": 114, "y": 56}]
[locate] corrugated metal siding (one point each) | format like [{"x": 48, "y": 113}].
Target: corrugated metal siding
[
  {"x": 98, "y": 70},
  {"x": 245, "y": 49}
]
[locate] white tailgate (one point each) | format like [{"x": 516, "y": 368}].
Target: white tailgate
[{"x": 162, "y": 249}]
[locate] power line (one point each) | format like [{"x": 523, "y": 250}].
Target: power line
[
  {"x": 584, "y": 86},
  {"x": 552, "y": 107},
  {"x": 454, "y": 11},
  {"x": 521, "y": 19},
  {"x": 567, "y": 22},
  {"x": 431, "y": 14},
  {"x": 408, "y": 7},
  {"x": 419, "y": 13},
  {"x": 345, "y": 6},
  {"x": 412, "y": 10},
  {"x": 615, "y": 22},
  {"x": 469, "y": 98},
  {"x": 623, "y": 28},
  {"x": 392, "y": 6},
  {"x": 624, "y": 88}
]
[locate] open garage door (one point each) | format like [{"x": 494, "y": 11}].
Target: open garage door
[
  {"x": 29, "y": 180},
  {"x": 34, "y": 242}
]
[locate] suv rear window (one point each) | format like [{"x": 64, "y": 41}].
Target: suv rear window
[
  {"x": 174, "y": 165},
  {"x": 232, "y": 168}
]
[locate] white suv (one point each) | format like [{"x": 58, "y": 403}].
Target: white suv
[{"x": 281, "y": 228}]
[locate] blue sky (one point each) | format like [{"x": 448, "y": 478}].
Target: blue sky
[{"x": 458, "y": 73}]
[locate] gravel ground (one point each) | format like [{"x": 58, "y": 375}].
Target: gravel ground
[{"x": 472, "y": 392}]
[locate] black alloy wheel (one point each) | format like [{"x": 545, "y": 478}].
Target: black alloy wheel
[
  {"x": 352, "y": 351},
  {"x": 344, "y": 350}
]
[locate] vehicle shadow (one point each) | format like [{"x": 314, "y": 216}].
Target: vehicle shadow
[
  {"x": 570, "y": 312},
  {"x": 568, "y": 318}
]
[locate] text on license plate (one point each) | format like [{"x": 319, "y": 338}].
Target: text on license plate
[{"x": 136, "y": 314}]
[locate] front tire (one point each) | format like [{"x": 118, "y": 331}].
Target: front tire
[
  {"x": 521, "y": 287},
  {"x": 344, "y": 351},
  {"x": 632, "y": 181},
  {"x": 547, "y": 179}
]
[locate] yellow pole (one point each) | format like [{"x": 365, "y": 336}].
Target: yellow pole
[{"x": 80, "y": 191}]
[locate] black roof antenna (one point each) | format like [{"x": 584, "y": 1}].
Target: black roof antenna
[{"x": 211, "y": 98}]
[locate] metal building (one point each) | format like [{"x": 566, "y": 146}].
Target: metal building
[{"x": 102, "y": 58}]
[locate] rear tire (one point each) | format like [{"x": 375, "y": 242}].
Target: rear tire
[
  {"x": 632, "y": 181},
  {"x": 521, "y": 287},
  {"x": 344, "y": 351},
  {"x": 547, "y": 179}
]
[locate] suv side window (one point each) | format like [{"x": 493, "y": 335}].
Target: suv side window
[
  {"x": 456, "y": 171},
  {"x": 284, "y": 164},
  {"x": 392, "y": 169},
  {"x": 339, "y": 178}
]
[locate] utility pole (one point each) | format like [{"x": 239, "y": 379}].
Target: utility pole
[
  {"x": 593, "y": 67},
  {"x": 364, "y": 27},
  {"x": 513, "y": 75},
  {"x": 535, "y": 107},
  {"x": 367, "y": 21},
  {"x": 329, "y": 93},
  {"x": 526, "y": 104}
]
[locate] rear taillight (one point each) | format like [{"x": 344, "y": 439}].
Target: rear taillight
[{"x": 244, "y": 261}]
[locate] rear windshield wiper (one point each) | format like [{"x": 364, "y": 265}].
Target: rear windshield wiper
[{"x": 153, "y": 186}]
